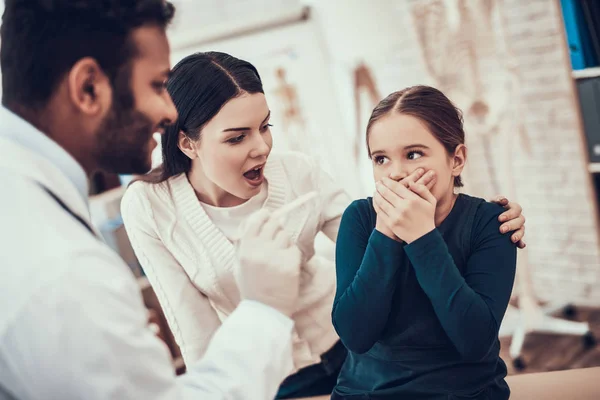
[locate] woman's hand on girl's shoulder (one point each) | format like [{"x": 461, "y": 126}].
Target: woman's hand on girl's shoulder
[{"x": 512, "y": 220}]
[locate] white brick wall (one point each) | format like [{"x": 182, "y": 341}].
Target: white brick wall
[
  {"x": 551, "y": 180},
  {"x": 563, "y": 234},
  {"x": 525, "y": 80}
]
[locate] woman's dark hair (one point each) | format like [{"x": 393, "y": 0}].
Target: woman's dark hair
[
  {"x": 200, "y": 85},
  {"x": 443, "y": 119}
]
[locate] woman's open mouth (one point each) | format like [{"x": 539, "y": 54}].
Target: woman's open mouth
[{"x": 255, "y": 176}]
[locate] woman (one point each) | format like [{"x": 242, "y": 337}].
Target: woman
[
  {"x": 217, "y": 169},
  {"x": 423, "y": 274}
]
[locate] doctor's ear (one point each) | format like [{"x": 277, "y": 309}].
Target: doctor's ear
[{"x": 88, "y": 87}]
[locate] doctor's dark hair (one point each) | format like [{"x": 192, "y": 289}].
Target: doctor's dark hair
[
  {"x": 43, "y": 39},
  {"x": 200, "y": 85},
  {"x": 443, "y": 119}
]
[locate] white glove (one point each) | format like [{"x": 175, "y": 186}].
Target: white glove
[{"x": 269, "y": 264}]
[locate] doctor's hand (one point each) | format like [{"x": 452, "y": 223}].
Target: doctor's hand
[
  {"x": 418, "y": 176},
  {"x": 268, "y": 268}
]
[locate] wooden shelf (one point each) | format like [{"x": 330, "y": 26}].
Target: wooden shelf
[
  {"x": 594, "y": 168},
  {"x": 586, "y": 73}
]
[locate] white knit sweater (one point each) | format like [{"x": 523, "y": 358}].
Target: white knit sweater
[{"x": 189, "y": 261}]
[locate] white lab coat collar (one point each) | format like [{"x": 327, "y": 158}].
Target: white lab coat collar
[
  {"x": 19, "y": 131},
  {"x": 18, "y": 160}
]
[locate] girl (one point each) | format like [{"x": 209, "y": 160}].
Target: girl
[
  {"x": 217, "y": 170},
  {"x": 423, "y": 276}
]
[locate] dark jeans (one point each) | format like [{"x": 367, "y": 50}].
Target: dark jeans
[{"x": 315, "y": 380}]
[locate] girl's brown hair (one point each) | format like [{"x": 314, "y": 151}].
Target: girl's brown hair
[{"x": 443, "y": 119}]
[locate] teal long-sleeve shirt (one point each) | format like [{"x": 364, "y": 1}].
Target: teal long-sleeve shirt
[{"x": 422, "y": 319}]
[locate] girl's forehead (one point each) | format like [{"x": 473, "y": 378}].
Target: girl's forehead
[{"x": 400, "y": 130}]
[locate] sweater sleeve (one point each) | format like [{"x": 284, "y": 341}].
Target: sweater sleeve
[
  {"x": 307, "y": 174},
  {"x": 189, "y": 313},
  {"x": 470, "y": 308},
  {"x": 366, "y": 268},
  {"x": 334, "y": 200}
]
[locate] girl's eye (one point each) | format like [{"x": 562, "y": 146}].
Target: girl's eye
[
  {"x": 414, "y": 155},
  {"x": 265, "y": 128},
  {"x": 380, "y": 160},
  {"x": 237, "y": 139},
  {"x": 159, "y": 86}
]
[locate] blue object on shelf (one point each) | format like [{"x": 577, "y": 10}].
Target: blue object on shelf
[{"x": 579, "y": 40}]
